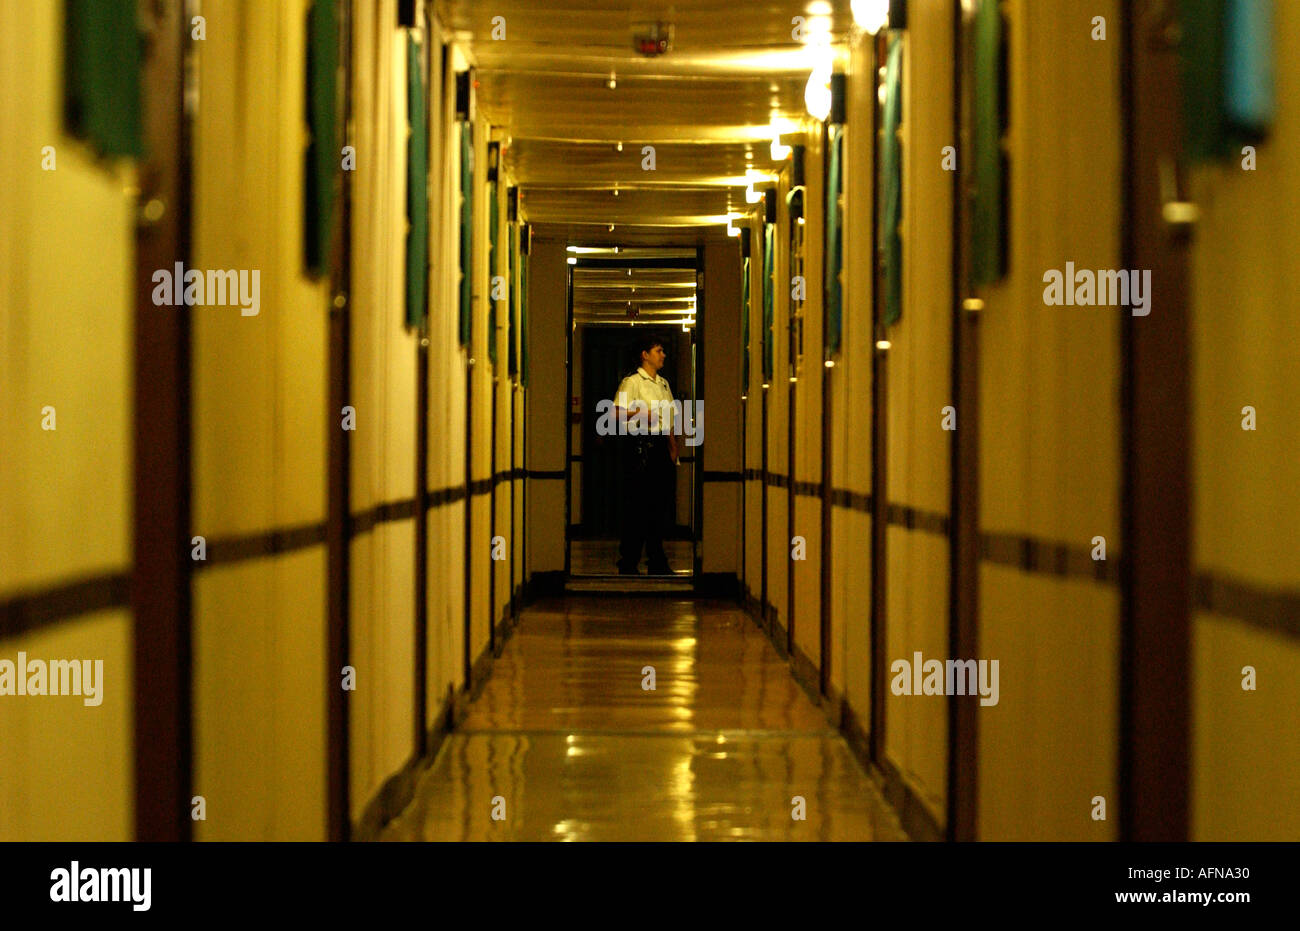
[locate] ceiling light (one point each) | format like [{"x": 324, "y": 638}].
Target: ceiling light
[
  {"x": 871, "y": 15},
  {"x": 819, "y": 8},
  {"x": 752, "y": 196},
  {"x": 572, "y": 260},
  {"x": 780, "y": 152}
]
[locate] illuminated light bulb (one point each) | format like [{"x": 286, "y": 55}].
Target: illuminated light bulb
[
  {"x": 883, "y": 344},
  {"x": 573, "y": 260},
  {"x": 817, "y": 94},
  {"x": 780, "y": 152},
  {"x": 613, "y": 81},
  {"x": 620, "y": 147},
  {"x": 871, "y": 15},
  {"x": 830, "y": 363}
]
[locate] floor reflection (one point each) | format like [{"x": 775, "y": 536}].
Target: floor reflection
[{"x": 566, "y": 744}]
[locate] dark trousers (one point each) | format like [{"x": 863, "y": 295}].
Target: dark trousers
[{"x": 647, "y": 503}]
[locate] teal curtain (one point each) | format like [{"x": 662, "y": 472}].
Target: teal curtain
[
  {"x": 102, "y": 63},
  {"x": 769, "y": 313},
  {"x": 834, "y": 241},
  {"x": 987, "y": 236},
  {"x": 744, "y": 330},
  {"x": 891, "y": 184},
  {"x": 512, "y": 353},
  {"x": 324, "y": 154},
  {"x": 466, "y": 230},
  {"x": 1227, "y": 75},
  {"x": 417, "y": 191},
  {"x": 523, "y": 319},
  {"x": 493, "y": 221}
]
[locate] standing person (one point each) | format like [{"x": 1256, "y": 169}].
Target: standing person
[{"x": 650, "y": 454}]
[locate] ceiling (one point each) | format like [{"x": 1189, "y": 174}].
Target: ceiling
[
  {"x": 708, "y": 107},
  {"x": 617, "y": 295}
]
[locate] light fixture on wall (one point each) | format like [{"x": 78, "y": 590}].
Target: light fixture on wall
[
  {"x": 871, "y": 15},
  {"x": 817, "y": 93}
]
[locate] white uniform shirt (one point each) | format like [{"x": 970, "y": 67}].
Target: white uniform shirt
[{"x": 639, "y": 386}]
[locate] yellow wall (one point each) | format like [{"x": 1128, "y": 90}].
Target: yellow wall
[
  {"x": 546, "y": 402},
  {"x": 721, "y": 394},
  {"x": 1049, "y": 440},
  {"x": 259, "y": 440},
  {"x": 807, "y": 466},
  {"x": 919, "y": 387},
  {"x": 851, "y": 400},
  {"x": 65, "y": 342},
  {"x": 1245, "y": 352}
]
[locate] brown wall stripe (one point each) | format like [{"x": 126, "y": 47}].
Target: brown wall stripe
[
  {"x": 1271, "y": 610},
  {"x": 263, "y": 543},
  {"x": 1033, "y": 555},
  {"x": 21, "y": 614}
]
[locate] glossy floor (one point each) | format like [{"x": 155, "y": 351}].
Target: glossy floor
[{"x": 564, "y": 743}]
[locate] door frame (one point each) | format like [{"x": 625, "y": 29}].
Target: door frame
[{"x": 697, "y": 353}]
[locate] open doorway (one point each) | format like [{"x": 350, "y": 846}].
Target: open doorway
[{"x": 616, "y": 296}]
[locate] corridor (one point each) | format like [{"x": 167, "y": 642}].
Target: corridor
[
  {"x": 568, "y": 734},
  {"x": 650, "y": 420}
]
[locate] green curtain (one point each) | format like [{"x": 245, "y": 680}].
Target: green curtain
[
  {"x": 744, "y": 330},
  {"x": 523, "y": 319},
  {"x": 512, "y": 353},
  {"x": 769, "y": 314},
  {"x": 891, "y": 184},
  {"x": 102, "y": 64},
  {"x": 987, "y": 235},
  {"x": 466, "y": 230},
  {"x": 1227, "y": 75},
  {"x": 834, "y": 241},
  {"x": 417, "y": 191},
  {"x": 493, "y": 222},
  {"x": 324, "y": 154}
]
